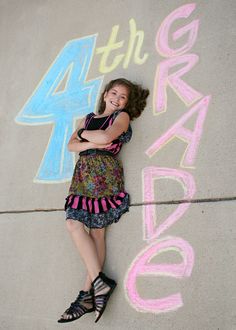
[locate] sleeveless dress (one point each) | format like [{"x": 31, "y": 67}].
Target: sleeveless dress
[{"x": 97, "y": 196}]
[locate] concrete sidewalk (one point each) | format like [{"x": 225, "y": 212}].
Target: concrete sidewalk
[{"x": 173, "y": 253}]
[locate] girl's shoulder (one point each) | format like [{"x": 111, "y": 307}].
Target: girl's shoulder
[
  {"x": 87, "y": 118},
  {"x": 125, "y": 136},
  {"x": 91, "y": 114},
  {"x": 117, "y": 112}
]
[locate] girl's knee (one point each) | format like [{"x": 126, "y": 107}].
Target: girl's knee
[
  {"x": 98, "y": 234},
  {"x": 72, "y": 225}
]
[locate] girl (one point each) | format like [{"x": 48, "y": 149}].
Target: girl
[{"x": 97, "y": 197}]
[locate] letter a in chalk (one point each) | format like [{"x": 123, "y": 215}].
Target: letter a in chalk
[{"x": 192, "y": 138}]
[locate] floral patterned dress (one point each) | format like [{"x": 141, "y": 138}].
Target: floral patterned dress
[{"x": 97, "y": 196}]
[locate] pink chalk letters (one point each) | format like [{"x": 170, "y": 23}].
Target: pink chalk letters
[
  {"x": 162, "y": 44},
  {"x": 178, "y": 130},
  {"x": 152, "y": 173},
  {"x": 142, "y": 265}
]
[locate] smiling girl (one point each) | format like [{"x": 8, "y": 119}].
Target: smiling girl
[{"x": 97, "y": 196}]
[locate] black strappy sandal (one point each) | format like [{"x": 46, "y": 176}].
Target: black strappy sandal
[
  {"x": 79, "y": 307},
  {"x": 103, "y": 288}
]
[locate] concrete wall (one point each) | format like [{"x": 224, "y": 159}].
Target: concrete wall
[{"x": 173, "y": 253}]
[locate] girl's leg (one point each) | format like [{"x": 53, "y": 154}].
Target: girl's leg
[
  {"x": 98, "y": 236},
  {"x": 102, "y": 286},
  {"x": 86, "y": 247}
]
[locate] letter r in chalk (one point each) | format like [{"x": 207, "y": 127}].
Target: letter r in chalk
[{"x": 163, "y": 79}]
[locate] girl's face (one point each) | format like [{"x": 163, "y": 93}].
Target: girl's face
[{"x": 116, "y": 98}]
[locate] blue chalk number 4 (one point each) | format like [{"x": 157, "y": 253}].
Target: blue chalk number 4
[{"x": 52, "y": 104}]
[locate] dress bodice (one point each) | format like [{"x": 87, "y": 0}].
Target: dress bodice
[{"x": 95, "y": 123}]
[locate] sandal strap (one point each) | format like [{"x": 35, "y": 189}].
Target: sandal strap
[
  {"x": 100, "y": 301},
  {"x": 103, "y": 288},
  {"x": 77, "y": 308}
]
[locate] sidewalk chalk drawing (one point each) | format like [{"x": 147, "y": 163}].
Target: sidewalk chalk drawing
[
  {"x": 135, "y": 44},
  {"x": 142, "y": 265},
  {"x": 64, "y": 95},
  {"x": 60, "y": 107}
]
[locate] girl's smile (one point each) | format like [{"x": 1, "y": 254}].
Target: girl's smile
[{"x": 116, "y": 98}]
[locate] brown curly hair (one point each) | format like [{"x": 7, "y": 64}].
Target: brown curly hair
[{"x": 137, "y": 97}]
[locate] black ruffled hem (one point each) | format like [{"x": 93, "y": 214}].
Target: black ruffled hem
[
  {"x": 95, "y": 205},
  {"x": 99, "y": 220}
]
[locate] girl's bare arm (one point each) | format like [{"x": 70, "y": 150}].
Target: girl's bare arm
[
  {"x": 119, "y": 126},
  {"x": 75, "y": 145}
]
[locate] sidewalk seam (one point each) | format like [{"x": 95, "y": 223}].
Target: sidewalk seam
[{"x": 172, "y": 202}]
